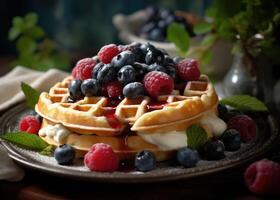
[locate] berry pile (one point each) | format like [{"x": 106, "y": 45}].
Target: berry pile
[
  {"x": 130, "y": 71},
  {"x": 157, "y": 21}
]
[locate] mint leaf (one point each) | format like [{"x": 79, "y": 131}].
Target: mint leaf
[
  {"x": 197, "y": 136},
  {"x": 32, "y": 95},
  {"x": 48, "y": 151},
  {"x": 177, "y": 34},
  {"x": 25, "y": 140},
  {"x": 245, "y": 103},
  {"x": 202, "y": 28}
]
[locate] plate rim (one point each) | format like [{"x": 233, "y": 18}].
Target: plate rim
[{"x": 137, "y": 178}]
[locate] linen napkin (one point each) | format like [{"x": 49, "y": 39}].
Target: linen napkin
[{"x": 10, "y": 94}]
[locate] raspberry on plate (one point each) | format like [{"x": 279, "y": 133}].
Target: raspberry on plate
[
  {"x": 107, "y": 52},
  {"x": 29, "y": 124},
  {"x": 263, "y": 177},
  {"x": 245, "y": 125},
  {"x": 188, "y": 70},
  {"x": 83, "y": 69},
  {"x": 158, "y": 83},
  {"x": 102, "y": 158},
  {"x": 113, "y": 89}
]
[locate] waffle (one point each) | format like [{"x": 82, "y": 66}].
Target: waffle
[
  {"x": 125, "y": 146},
  {"x": 92, "y": 115}
]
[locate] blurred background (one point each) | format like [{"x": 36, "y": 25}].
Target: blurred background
[
  {"x": 81, "y": 27},
  {"x": 236, "y": 42}
]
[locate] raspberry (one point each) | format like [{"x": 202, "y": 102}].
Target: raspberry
[
  {"x": 102, "y": 158},
  {"x": 113, "y": 89},
  {"x": 83, "y": 69},
  {"x": 244, "y": 125},
  {"x": 158, "y": 83},
  {"x": 188, "y": 70},
  {"x": 29, "y": 124},
  {"x": 263, "y": 177},
  {"x": 106, "y": 53}
]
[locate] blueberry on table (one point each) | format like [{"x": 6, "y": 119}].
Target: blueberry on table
[
  {"x": 75, "y": 90},
  {"x": 145, "y": 161},
  {"x": 127, "y": 74},
  {"x": 90, "y": 87},
  {"x": 64, "y": 154},
  {"x": 134, "y": 90},
  {"x": 231, "y": 139},
  {"x": 213, "y": 150},
  {"x": 187, "y": 157}
]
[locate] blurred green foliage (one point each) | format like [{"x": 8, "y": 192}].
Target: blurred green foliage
[
  {"x": 35, "y": 50},
  {"x": 253, "y": 26}
]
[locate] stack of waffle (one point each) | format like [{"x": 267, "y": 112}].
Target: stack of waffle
[{"x": 93, "y": 119}]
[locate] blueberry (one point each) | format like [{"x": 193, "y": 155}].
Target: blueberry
[
  {"x": 147, "y": 28},
  {"x": 64, "y": 154},
  {"x": 156, "y": 67},
  {"x": 134, "y": 90},
  {"x": 106, "y": 74},
  {"x": 157, "y": 35},
  {"x": 139, "y": 55},
  {"x": 230, "y": 114},
  {"x": 123, "y": 58},
  {"x": 96, "y": 70},
  {"x": 39, "y": 117},
  {"x": 164, "y": 13},
  {"x": 231, "y": 139},
  {"x": 141, "y": 69},
  {"x": 170, "y": 19},
  {"x": 145, "y": 47},
  {"x": 154, "y": 56},
  {"x": 127, "y": 74},
  {"x": 171, "y": 71},
  {"x": 168, "y": 61},
  {"x": 75, "y": 90},
  {"x": 145, "y": 161},
  {"x": 213, "y": 150},
  {"x": 176, "y": 59},
  {"x": 222, "y": 110},
  {"x": 187, "y": 157},
  {"x": 90, "y": 87}
]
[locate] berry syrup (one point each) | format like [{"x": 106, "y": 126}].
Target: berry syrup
[
  {"x": 155, "y": 105},
  {"x": 110, "y": 114}
]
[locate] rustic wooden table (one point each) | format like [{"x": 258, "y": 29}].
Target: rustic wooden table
[{"x": 226, "y": 185}]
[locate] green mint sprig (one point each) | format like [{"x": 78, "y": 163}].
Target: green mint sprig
[
  {"x": 25, "y": 140},
  {"x": 48, "y": 151},
  {"x": 245, "y": 103},
  {"x": 32, "y": 95},
  {"x": 177, "y": 34},
  {"x": 196, "y": 137}
]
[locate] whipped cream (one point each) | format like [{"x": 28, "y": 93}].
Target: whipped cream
[
  {"x": 215, "y": 124},
  {"x": 56, "y": 132},
  {"x": 166, "y": 141},
  {"x": 176, "y": 139}
]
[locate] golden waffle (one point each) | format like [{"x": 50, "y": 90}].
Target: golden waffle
[
  {"x": 88, "y": 116},
  {"x": 125, "y": 146}
]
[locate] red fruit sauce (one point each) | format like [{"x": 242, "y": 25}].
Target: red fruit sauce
[{"x": 155, "y": 105}]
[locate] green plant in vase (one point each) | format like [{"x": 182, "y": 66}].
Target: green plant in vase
[{"x": 35, "y": 50}]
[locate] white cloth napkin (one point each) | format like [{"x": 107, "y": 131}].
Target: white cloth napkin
[{"x": 10, "y": 94}]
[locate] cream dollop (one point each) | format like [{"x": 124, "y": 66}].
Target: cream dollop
[
  {"x": 215, "y": 124},
  {"x": 166, "y": 141},
  {"x": 56, "y": 132}
]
